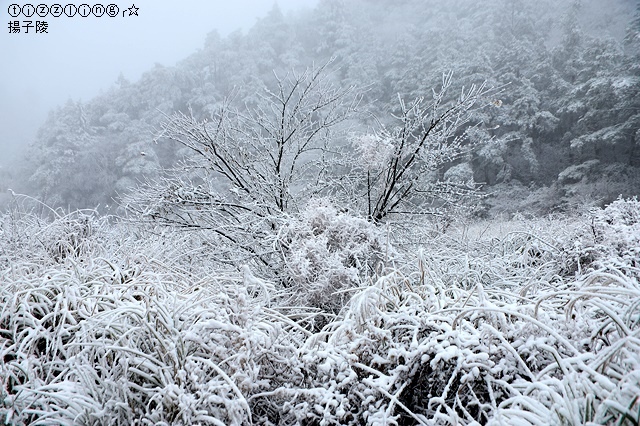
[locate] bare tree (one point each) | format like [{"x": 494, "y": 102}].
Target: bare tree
[
  {"x": 251, "y": 168},
  {"x": 400, "y": 165}
]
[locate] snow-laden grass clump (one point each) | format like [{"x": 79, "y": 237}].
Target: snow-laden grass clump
[{"x": 103, "y": 322}]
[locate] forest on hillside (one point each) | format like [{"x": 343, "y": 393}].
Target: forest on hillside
[
  {"x": 423, "y": 214},
  {"x": 566, "y": 74}
]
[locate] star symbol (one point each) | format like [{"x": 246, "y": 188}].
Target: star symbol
[{"x": 133, "y": 10}]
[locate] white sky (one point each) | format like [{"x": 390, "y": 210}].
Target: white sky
[{"x": 79, "y": 56}]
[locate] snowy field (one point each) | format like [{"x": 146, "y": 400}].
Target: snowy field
[{"x": 525, "y": 321}]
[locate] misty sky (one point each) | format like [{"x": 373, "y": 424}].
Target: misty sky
[{"x": 79, "y": 56}]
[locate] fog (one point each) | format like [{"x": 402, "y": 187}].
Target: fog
[
  {"x": 561, "y": 130},
  {"x": 80, "y": 57}
]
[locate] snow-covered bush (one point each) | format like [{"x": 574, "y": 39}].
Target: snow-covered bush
[
  {"x": 608, "y": 237},
  {"x": 617, "y": 228},
  {"x": 327, "y": 254},
  {"x": 528, "y": 347},
  {"x": 52, "y": 236}
]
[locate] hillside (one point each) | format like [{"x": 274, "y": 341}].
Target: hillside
[{"x": 565, "y": 133}]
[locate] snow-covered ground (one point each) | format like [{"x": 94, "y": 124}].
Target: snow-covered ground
[{"x": 516, "y": 322}]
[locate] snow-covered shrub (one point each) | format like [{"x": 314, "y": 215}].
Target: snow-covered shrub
[
  {"x": 327, "y": 253},
  {"x": 69, "y": 236},
  {"x": 177, "y": 359},
  {"x": 396, "y": 358},
  {"x": 617, "y": 227},
  {"x": 408, "y": 352},
  {"x": 49, "y": 236},
  {"x": 610, "y": 239}
]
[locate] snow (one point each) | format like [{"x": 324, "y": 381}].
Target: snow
[{"x": 526, "y": 322}]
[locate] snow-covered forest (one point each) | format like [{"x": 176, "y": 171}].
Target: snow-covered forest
[{"x": 360, "y": 214}]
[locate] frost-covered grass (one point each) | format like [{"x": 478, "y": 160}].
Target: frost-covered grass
[{"x": 515, "y": 323}]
